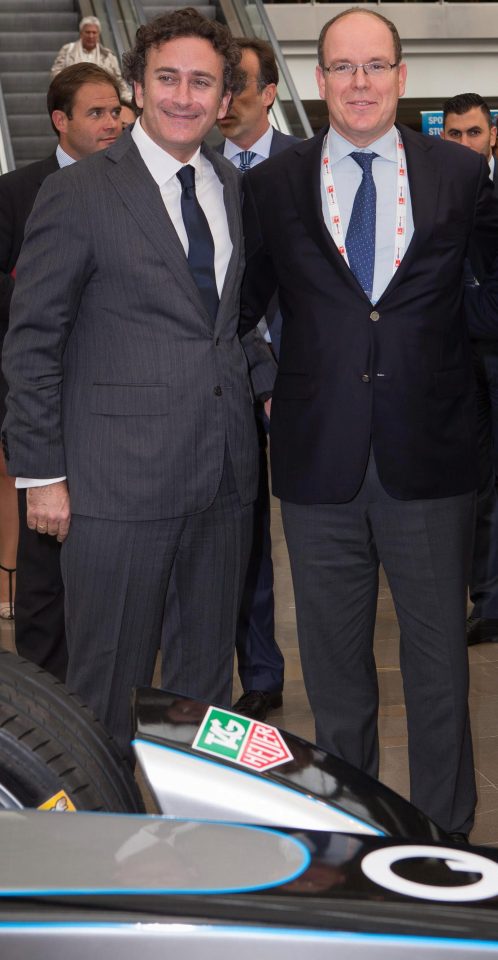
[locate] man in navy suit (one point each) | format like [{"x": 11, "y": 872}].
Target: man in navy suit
[
  {"x": 249, "y": 140},
  {"x": 467, "y": 120},
  {"x": 364, "y": 231}
]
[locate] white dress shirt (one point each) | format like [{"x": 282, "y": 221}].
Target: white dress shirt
[
  {"x": 209, "y": 190},
  {"x": 347, "y": 176}
]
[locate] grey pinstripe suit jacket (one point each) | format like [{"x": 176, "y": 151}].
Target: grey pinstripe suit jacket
[{"x": 117, "y": 378}]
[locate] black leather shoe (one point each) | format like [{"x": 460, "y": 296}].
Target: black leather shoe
[
  {"x": 481, "y": 630},
  {"x": 461, "y": 838},
  {"x": 256, "y": 703}
]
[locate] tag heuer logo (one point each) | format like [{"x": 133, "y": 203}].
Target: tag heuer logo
[{"x": 247, "y": 742}]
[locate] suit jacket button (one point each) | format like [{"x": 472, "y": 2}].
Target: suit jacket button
[
  {"x": 365, "y": 378},
  {"x": 218, "y": 391},
  {"x": 375, "y": 315}
]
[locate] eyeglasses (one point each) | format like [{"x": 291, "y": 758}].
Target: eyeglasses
[{"x": 375, "y": 68}]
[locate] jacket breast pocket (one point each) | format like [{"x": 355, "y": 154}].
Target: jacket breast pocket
[{"x": 131, "y": 399}]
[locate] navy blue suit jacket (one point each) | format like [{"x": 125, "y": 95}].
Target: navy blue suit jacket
[
  {"x": 279, "y": 143},
  {"x": 18, "y": 190},
  {"x": 398, "y": 377}
]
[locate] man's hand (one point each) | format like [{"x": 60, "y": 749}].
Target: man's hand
[
  {"x": 48, "y": 509},
  {"x": 268, "y": 407}
]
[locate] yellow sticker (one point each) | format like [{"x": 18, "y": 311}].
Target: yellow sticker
[{"x": 59, "y": 801}]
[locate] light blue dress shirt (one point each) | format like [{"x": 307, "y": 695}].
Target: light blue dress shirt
[
  {"x": 347, "y": 178},
  {"x": 260, "y": 147},
  {"x": 63, "y": 158}
]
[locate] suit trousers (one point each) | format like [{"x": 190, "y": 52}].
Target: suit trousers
[
  {"x": 113, "y": 644},
  {"x": 425, "y": 548},
  {"x": 39, "y": 623},
  {"x": 484, "y": 575},
  {"x": 259, "y": 658}
]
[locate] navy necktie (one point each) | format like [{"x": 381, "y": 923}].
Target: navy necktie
[
  {"x": 200, "y": 241},
  {"x": 360, "y": 238},
  {"x": 246, "y": 157}
]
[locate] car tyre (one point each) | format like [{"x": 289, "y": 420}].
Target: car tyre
[{"x": 50, "y": 742}]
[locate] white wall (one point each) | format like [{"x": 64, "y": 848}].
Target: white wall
[{"x": 449, "y": 47}]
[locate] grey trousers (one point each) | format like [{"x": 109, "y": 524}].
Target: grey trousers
[
  {"x": 116, "y": 579},
  {"x": 425, "y": 547}
]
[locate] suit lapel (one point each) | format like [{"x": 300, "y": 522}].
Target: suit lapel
[
  {"x": 141, "y": 195},
  {"x": 424, "y": 179},
  {"x": 306, "y": 188},
  {"x": 50, "y": 165},
  {"x": 232, "y": 183}
]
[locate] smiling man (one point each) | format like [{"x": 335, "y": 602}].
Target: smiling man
[
  {"x": 127, "y": 379},
  {"x": 363, "y": 230}
]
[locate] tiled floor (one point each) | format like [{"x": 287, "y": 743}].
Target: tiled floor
[{"x": 295, "y": 714}]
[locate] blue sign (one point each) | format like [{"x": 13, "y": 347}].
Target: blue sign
[{"x": 432, "y": 122}]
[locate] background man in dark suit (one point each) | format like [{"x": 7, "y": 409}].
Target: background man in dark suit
[
  {"x": 373, "y": 418},
  {"x": 251, "y": 139},
  {"x": 83, "y": 104},
  {"x": 467, "y": 120},
  {"x": 128, "y": 295}
]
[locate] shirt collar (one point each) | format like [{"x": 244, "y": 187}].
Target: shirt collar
[
  {"x": 261, "y": 146},
  {"x": 63, "y": 158},
  {"x": 492, "y": 162},
  {"x": 385, "y": 146},
  {"x": 160, "y": 164}
]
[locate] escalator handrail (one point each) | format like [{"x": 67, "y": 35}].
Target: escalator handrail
[
  {"x": 283, "y": 67},
  {"x": 7, "y": 161}
]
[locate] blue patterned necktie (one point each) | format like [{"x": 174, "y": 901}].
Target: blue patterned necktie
[
  {"x": 360, "y": 238},
  {"x": 200, "y": 241},
  {"x": 246, "y": 157}
]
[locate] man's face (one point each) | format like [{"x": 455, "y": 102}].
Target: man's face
[
  {"x": 472, "y": 130},
  {"x": 182, "y": 94},
  {"x": 247, "y": 116},
  {"x": 361, "y": 108},
  {"x": 95, "y": 122},
  {"x": 89, "y": 36}
]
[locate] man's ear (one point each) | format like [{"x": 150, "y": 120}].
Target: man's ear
[
  {"x": 60, "y": 120},
  {"x": 224, "y": 104},
  {"x": 138, "y": 90},
  {"x": 269, "y": 93}
]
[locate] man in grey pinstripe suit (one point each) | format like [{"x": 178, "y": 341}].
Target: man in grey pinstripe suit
[{"x": 127, "y": 399}]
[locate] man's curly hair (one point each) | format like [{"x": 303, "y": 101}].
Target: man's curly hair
[{"x": 185, "y": 23}]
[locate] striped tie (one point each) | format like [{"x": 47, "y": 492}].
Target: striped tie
[{"x": 246, "y": 157}]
